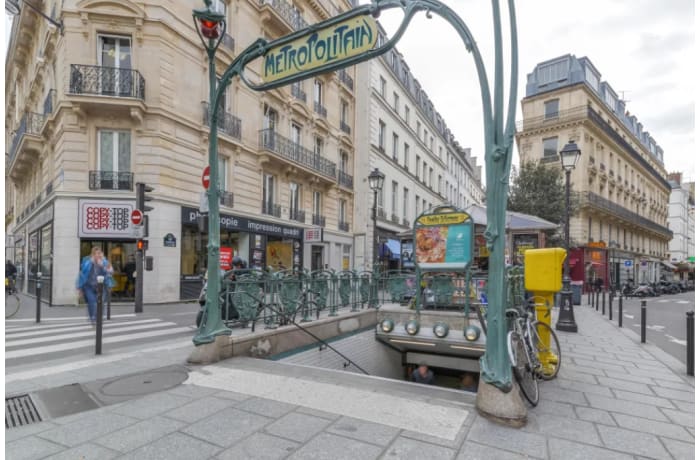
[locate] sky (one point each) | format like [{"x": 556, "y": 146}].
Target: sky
[{"x": 642, "y": 48}]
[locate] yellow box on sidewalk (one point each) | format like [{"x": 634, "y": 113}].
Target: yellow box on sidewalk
[{"x": 543, "y": 269}]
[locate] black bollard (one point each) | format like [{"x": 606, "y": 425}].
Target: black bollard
[
  {"x": 644, "y": 321},
  {"x": 619, "y": 312},
  {"x": 690, "y": 342},
  {"x": 597, "y": 300},
  {"x": 603, "y": 295},
  {"x": 109, "y": 304},
  {"x": 38, "y": 297},
  {"x": 590, "y": 301},
  {"x": 98, "y": 331},
  {"x": 610, "y": 312}
]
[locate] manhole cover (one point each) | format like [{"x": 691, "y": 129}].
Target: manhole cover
[{"x": 143, "y": 384}]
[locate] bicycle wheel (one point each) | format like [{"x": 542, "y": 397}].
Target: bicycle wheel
[
  {"x": 548, "y": 351},
  {"x": 522, "y": 370},
  {"x": 11, "y": 305}
]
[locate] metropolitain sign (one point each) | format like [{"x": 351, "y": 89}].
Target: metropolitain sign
[{"x": 333, "y": 44}]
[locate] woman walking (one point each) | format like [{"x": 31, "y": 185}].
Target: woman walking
[{"x": 91, "y": 267}]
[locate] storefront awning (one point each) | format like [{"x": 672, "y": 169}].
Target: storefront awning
[
  {"x": 390, "y": 249},
  {"x": 669, "y": 266}
]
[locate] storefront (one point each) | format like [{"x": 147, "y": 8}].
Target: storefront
[
  {"x": 39, "y": 253},
  {"x": 260, "y": 244},
  {"x": 105, "y": 224}
]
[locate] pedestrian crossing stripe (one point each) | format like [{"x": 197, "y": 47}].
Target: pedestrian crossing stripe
[
  {"x": 66, "y": 318},
  {"x": 41, "y": 329},
  {"x": 91, "y": 342},
  {"x": 9, "y": 343}
]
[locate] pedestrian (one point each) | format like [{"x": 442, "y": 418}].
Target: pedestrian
[
  {"x": 91, "y": 267},
  {"x": 10, "y": 275},
  {"x": 422, "y": 374}
]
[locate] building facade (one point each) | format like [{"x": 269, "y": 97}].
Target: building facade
[
  {"x": 120, "y": 96},
  {"x": 402, "y": 135},
  {"x": 681, "y": 220},
  {"x": 620, "y": 230}
]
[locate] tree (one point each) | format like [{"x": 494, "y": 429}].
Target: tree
[{"x": 538, "y": 189}]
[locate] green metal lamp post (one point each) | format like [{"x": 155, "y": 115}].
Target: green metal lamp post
[
  {"x": 211, "y": 26},
  {"x": 566, "y": 322},
  {"x": 376, "y": 183}
]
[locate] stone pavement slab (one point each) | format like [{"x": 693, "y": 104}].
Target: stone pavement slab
[
  {"x": 411, "y": 449},
  {"x": 175, "y": 446},
  {"x": 361, "y": 430},
  {"x": 297, "y": 427},
  {"x": 259, "y": 446},
  {"x": 227, "y": 427},
  {"x": 139, "y": 434},
  {"x": 329, "y": 446},
  {"x": 31, "y": 447}
]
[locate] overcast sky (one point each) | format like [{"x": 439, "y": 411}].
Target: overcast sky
[{"x": 641, "y": 47}]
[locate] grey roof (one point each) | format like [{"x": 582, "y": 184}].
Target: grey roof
[{"x": 514, "y": 220}]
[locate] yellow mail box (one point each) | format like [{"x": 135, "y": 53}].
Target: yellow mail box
[{"x": 543, "y": 269}]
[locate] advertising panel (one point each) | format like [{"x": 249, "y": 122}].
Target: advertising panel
[{"x": 444, "y": 240}]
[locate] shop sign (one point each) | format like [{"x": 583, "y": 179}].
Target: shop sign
[
  {"x": 628, "y": 263},
  {"x": 229, "y": 222},
  {"x": 105, "y": 219},
  {"x": 597, "y": 244},
  {"x": 313, "y": 235},
  {"x": 225, "y": 258},
  {"x": 41, "y": 219},
  {"x": 169, "y": 241}
]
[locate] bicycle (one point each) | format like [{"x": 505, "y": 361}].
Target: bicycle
[
  {"x": 12, "y": 301},
  {"x": 533, "y": 350}
]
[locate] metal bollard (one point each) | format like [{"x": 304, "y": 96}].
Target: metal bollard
[
  {"x": 619, "y": 312},
  {"x": 610, "y": 312},
  {"x": 690, "y": 342},
  {"x": 109, "y": 304},
  {"x": 597, "y": 300},
  {"x": 644, "y": 321},
  {"x": 603, "y": 295},
  {"x": 98, "y": 331},
  {"x": 38, "y": 297},
  {"x": 590, "y": 300}
]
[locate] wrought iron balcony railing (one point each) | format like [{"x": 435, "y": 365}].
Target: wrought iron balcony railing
[
  {"x": 346, "y": 79},
  {"x": 286, "y": 10},
  {"x": 615, "y": 209},
  {"x": 106, "y": 81},
  {"x": 381, "y": 214},
  {"x": 395, "y": 218},
  {"x": 345, "y": 128},
  {"x": 298, "y": 93},
  {"x": 297, "y": 215},
  {"x": 317, "y": 219},
  {"x": 406, "y": 223},
  {"x": 345, "y": 179},
  {"x": 271, "y": 209},
  {"x": 225, "y": 122},
  {"x": 549, "y": 119},
  {"x": 285, "y": 148},
  {"x": 343, "y": 226},
  {"x": 549, "y": 159},
  {"x": 226, "y": 198},
  {"x": 31, "y": 123},
  {"x": 111, "y": 180},
  {"x": 49, "y": 102},
  {"x": 320, "y": 109}
]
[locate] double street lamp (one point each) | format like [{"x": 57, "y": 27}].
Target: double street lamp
[
  {"x": 376, "y": 183},
  {"x": 566, "y": 322}
]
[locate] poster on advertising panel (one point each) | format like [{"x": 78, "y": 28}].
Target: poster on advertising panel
[
  {"x": 444, "y": 240},
  {"x": 226, "y": 258}
]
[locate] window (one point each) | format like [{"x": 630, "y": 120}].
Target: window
[
  {"x": 318, "y": 146},
  {"x": 380, "y": 198},
  {"x": 294, "y": 199},
  {"x": 417, "y": 166},
  {"x": 394, "y": 197},
  {"x": 406, "y": 153},
  {"x": 342, "y": 205},
  {"x": 417, "y": 206},
  {"x": 318, "y": 92},
  {"x": 610, "y": 98},
  {"x": 430, "y": 178},
  {"x": 114, "y": 54},
  {"x": 424, "y": 205},
  {"x": 344, "y": 112},
  {"x": 440, "y": 152},
  {"x": 223, "y": 173},
  {"x": 425, "y": 136},
  {"x": 268, "y": 192},
  {"x": 431, "y": 144},
  {"x": 418, "y": 125},
  {"x": 396, "y": 103},
  {"x": 343, "y": 162},
  {"x": 270, "y": 118},
  {"x": 382, "y": 133},
  {"x": 405, "y": 203},
  {"x": 115, "y": 151},
  {"x": 425, "y": 172},
  {"x": 395, "y": 147},
  {"x": 382, "y": 87},
  {"x": 550, "y": 146},
  {"x": 317, "y": 203},
  {"x": 439, "y": 184},
  {"x": 296, "y": 134},
  {"x": 406, "y": 113},
  {"x": 551, "y": 109},
  {"x": 591, "y": 78},
  {"x": 553, "y": 72}
]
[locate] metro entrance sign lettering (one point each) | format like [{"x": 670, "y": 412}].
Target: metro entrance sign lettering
[{"x": 332, "y": 44}]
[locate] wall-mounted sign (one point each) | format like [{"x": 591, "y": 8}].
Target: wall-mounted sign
[
  {"x": 230, "y": 222},
  {"x": 169, "y": 241},
  {"x": 597, "y": 244},
  {"x": 331, "y": 45},
  {"x": 105, "y": 218},
  {"x": 313, "y": 235}
]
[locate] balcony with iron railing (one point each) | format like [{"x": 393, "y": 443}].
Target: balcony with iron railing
[
  {"x": 297, "y": 215},
  {"x": 549, "y": 159},
  {"x": 552, "y": 119},
  {"x": 346, "y": 79},
  {"x": 298, "y": 93},
  {"x": 603, "y": 204},
  {"x": 406, "y": 223},
  {"x": 343, "y": 226},
  {"x": 284, "y": 15},
  {"x": 395, "y": 218},
  {"x": 106, "y": 81},
  {"x": 226, "y": 198},
  {"x": 381, "y": 214},
  {"x": 320, "y": 109},
  {"x": 295, "y": 153},
  {"x": 271, "y": 209},
  {"x": 345, "y": 128},
  {"x": 319, "y": 220},
  {"x": 344, "y": 179},
  {"x": 110, "y": 180},
  {"x": 26, "y": 139},
  {"x": 225, "y": 122}
]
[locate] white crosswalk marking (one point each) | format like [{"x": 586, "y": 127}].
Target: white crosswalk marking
[
  {"x": 66, "y": 318},
  {"x": 40, "y": 329},
  {"x": 9, "y": 343}
]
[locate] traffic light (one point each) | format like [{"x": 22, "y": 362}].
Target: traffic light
[
  {"x": 141, "y": 245},
  {"x": 141, "y": 197}
]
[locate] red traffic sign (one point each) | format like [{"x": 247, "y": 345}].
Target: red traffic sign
[
  {"x": 136, "y": 217},
  {"x": 205, "y": 178}
]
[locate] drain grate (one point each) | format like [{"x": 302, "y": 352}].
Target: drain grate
[{"x": 20, "y": 411}]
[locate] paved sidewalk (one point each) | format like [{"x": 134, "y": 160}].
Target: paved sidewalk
[{"x": 614, "y": 399}]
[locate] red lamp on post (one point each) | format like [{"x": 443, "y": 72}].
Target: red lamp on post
[{"x": 210, "y": 26}]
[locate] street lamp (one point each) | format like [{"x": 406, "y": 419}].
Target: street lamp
[
  {"x": 211, "y": 26},
  {"x": 376, "y": 183},
  {"x": 14, "y": 7},
  {"x": 566, "y": 322}
]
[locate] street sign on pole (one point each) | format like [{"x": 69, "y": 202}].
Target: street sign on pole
[
  {"x": 205, "y": 178},
  {"x": 136, "y": 217}
]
